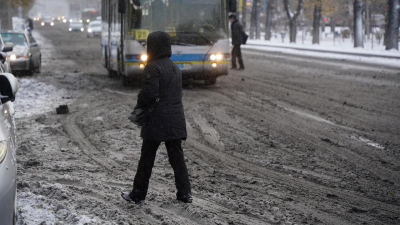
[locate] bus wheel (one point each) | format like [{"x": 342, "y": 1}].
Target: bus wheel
[
  {"x": 112, "y": 73},
  {"x": 126, "y": 81},
  {"x": 210, "y": 81}
]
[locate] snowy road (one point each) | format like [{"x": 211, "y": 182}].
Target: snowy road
[{"x": 291, "y": 140}]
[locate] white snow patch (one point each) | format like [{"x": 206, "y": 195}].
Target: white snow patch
[
  {"x": 36, "y": 97},
  {"x": 33, "y": 209},
  {"x": 367, "y": 141}
]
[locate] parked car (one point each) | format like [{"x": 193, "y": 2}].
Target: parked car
[
  {"x": 47, "y": 21},
  {"x": 26, "y": 55},
  {"x": 8, "y": 148},
  {"x": 4, "y": 60},
  {"x": 76, "y": 26},
  {"x": 94, "y": 29}
]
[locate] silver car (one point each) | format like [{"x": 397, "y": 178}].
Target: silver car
[
  {"x": 26, "y": 56},
  {"x": 8, "y": 147},
  {"x": 4, "y": 60}
]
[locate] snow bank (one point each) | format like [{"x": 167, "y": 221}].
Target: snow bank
[{"x": 34, "y": 97}]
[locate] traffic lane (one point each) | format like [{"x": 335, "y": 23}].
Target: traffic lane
[{"x": 350, "y": 94}]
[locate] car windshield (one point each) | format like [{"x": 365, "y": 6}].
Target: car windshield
[
  {"x": 189, "y": 22},
  {"x": 15, "y": 38},
  {"x": 75, "y": 24}
]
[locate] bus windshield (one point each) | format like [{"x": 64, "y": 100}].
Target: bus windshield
[{"x": 189, "y": 22}]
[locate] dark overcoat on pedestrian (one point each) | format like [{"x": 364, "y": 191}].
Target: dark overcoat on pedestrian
[
  {"x": 167, "y": 121},
  {"x": 237, "y": 32}
]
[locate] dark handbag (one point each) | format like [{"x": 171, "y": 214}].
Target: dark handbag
[
  {"x": 244, "y": 37},
  {"x": 140, "y": 116}
]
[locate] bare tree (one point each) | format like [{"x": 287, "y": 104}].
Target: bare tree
[
  {"x": 358, "y": 23},
  {"x": 244, "y": 12},
  {"x": 268, "y": 22},
  {"x": 253, "y": 20},
  {"x": 292, "y": 18},
  {"x": 393, "y": 26},
  {"x": 317, "y": 20}
]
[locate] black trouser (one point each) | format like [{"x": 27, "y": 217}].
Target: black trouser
[
  {"x": 237, "y": 53},
  {"x": 146, "y": 163}
]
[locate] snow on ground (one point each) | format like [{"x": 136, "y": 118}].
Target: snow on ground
[{"x": 338, "y": 48}]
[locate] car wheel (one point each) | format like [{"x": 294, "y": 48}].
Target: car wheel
[
  {"x": 38, "y": 68},
  {"x": 15, "y": 209},
  {"x": 210, "y": 81},
  {"x": 31, "y": 68}
]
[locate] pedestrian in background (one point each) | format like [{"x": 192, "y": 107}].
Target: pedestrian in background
[
  {"x": 162, "y": 90},
  {"x": 237, "y": 33}
]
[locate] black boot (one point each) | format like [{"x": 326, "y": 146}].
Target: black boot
[
  {"x": 128, "y": 198},
  {"x": 185, "y": 198}
]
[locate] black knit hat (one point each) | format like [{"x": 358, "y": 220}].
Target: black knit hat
[{"x": 232, "y": 16}]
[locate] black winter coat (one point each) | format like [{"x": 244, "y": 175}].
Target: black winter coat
[
  {"x": 167, "y": 121},
  {"x": 237, "y": 32}
]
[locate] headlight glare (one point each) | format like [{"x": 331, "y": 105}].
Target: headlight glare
[
  {"x": 51, "y": 24},
  {"x": 3, "y": 150},
  {"x": 213, "y": 57},
  {"x": 89, "y": 30},
  {"x": 42, "y": 23},
  {"x": 70, "y": 29},
  {"x": 13, "y": 57},
  {"x": 219, "y": 56},
  {"x": 143, "y": 57}
]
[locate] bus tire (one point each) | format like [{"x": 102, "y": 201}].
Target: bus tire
[
  {"x": 126, "y": 81},
  {"x": 210, "y": 81}
]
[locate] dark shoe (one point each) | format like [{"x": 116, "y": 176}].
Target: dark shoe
[
  {"x": 233, "y": 68},
  {"x": 241, "y": 68},
  {"x": 185, "y": 198},
  {"x": 128, "y": 198}
]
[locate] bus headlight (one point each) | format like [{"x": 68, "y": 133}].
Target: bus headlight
[
  {"x": 82, "y": 29},
  {"x": 217, "y": 57},
  {"x": 3, "y": 150},
  {"x": 143, "y": 57},
  {"x": 89, "y": 30}
]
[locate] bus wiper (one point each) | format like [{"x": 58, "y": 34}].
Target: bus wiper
[
  {"x": 181, "y": 43},
  {"x": 198, "y": 34}
]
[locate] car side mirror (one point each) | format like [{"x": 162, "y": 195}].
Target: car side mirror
[
  {"x": 34, "y": 44},
  {"x": 8, "y": 87},
  {"x": 8, "y": 47}
]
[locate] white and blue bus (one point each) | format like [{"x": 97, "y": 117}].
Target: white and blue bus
[{"x": 198, "y": 30}]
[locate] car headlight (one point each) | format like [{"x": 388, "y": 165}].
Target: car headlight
[
  {"x": 42, "y": 23},
  {"x": 51, "y": 24},
  {"x": 144, "y": 57},
  {"x": 89, "y": 30},
  {"x": 70, "y": 29},
  {"x": 3, "y": 150},
  {"x": 14, "y": 57},
  {"x": 87, "y": 20},
  {"x": 70, "y": 20},
  {"x": 64, "y": 20},
  {"x": 82, "y": 29}
]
